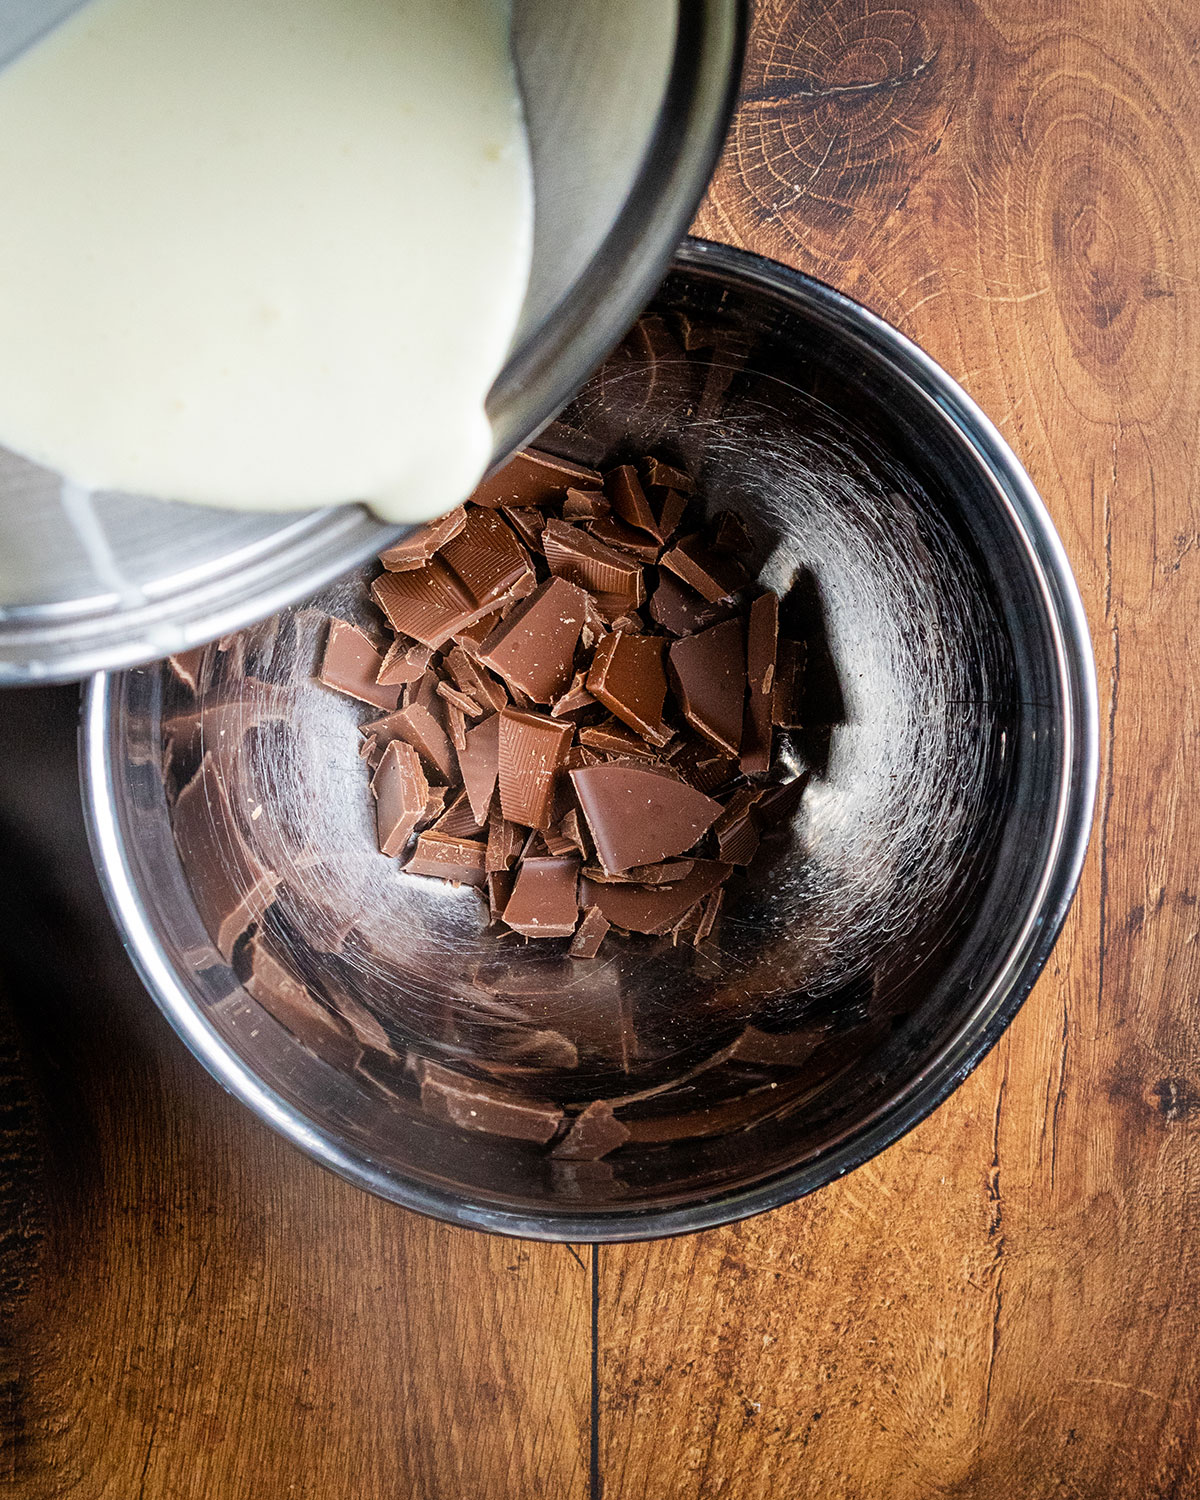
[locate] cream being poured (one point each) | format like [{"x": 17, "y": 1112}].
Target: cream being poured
[{"x": 265, "y": 254}]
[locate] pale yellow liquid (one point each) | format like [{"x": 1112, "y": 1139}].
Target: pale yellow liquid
[{"x": 266, "y": 254}]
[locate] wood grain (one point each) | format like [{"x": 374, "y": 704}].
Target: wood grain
[{"x": 1004, "y": 1303}]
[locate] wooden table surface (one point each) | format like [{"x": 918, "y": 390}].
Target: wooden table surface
[{"x": 1002, "y": 1305}]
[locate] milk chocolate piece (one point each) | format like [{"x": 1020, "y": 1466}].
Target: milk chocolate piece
[
  {"x": 465, "y": 704},
  {"x": 615, "y": 739},
  {"x": 712, "y": 574},
  {"x": 401, "y": 794},
  {"x": 657, "y": 475},
  {"x": 533, "y": 478},
  {"x": 789, "y": 675},
  {"x": 590, "y": 933},
  {"x": 527, "y": 521},
  {"x": 424, "y": 733},
  {"x": 614, "y": 580},
  {"x": 473, "y": 1105},
  {"x": 470, "y": 678},
  {"x": 532, "y": 748},
  {"x": 436, "y": 805},
  {"x": 593, "y": 1134},
  {"x": 403, "y": 662},
  {"x": 624, "y": 538},
  {"x": 429, "y": 603},
  {"x": 415, "y": 549},
  {"x": 736, "y": 830},
  {"x": 586, "y": 505},
  {"x": 478, "y": 762},
  {"x": 639, "y": 817},
  {"x": 627, "y": 676},
  {"x": 654, "y": 908},
  {"x": 708, "y": 672},
  {"x": 624, "y": 489},
  {"x": 544, "y": 900},
  {"x": 665, "y": 873},
  {"x": 231, "y": 886},
  {"x": 762, "y": 640},
  {"x": 575, "y": 700},
  {"x": 681, "y": 610},
  {"x": 778, "y": 803},
  {"x": 456, "y": 726},
  {"x": 670, "y": 513},
  {"x": 458, "y": 821},
  {"x": 503, "y": 843},
  {"x": 488, "y": 560},
  {"x": 534, "y": 648},
  {"x": 449, "y": 858},
  {"x": 351, "y": 665},
  {"x": 476, "y": 631},
  {"x": 295, "y": 1007},
  {"x": 499, "y": 889}
]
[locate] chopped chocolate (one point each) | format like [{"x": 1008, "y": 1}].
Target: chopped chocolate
[
  {"x": 670, "y": 513},
  {"x": 478, "y": 764},
  {"x": 295, "y": 1007},
  {"x": 415, "y": 549},
  {"x": 575, "y": 700},
  {"x": 776, "y": 1049},
  {"x": 593, "y": 1134},
  {"x": 778, "y": 803},
  {"x": 625, "y": 538},
  {"x": 503, "y": 844},
  {"x": 708, "y": 672},
  {"x": 762, "y": 641},
  {"x": 428, "y": 603},
  {"x": 544, "y": 900},
  {"x": 403, "y": 662},
  {"x": 654, "y": 908},
  {"x": 401, "y": 795},
  {"x": 527, "y": 521},
  {"x": 664, "y": 873},
  {"x": 736, "y": 830},
  {"x": 681, "y": 610},
  {"x": 499, "y": 889},
  {"x": 789, "y": 675},
  {"x": 351, "y": 664},
  {"x": 435, "y": 807},
  {"x": 657, "y": 475},
  {"x": 624, "y": 489},
  {"x": 707, "y": 768},
  {"x": 472, "y": 679},
  {"x": 532, "y": 748},
  {"x": 638, "y": 817},
  {"x": 534, "y": 648},
  {"x": 712, "y": 574},
  {"x": 569, "y": 829},
  {"x": 614, "y": 580},
  {"x": 456, "y": 725},
  {"x": 586, "y": 505},
  {"x": 627, "y": 676},
  {"x": 615, "y": 739},
  {"x": 590, "y": 933},
  {"x": 533, "y": 478},
  {"x": 476, "y": 631},
  {"x": 425, "y": 734},
  {"x": 465, "y": 704},
  {"x": 458, "y": 821},
  {"x": 473, "y": 1105},
  {"x": 489, "y": 562},
  {"x": 449, "y": 858}
]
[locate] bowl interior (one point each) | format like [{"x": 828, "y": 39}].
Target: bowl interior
[{"x": 874, "y": 937}]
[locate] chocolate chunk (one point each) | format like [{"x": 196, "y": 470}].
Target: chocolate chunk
[
  {"x": 575, "y": 700},
  {"x": 424, "y": 732},
  {"x": 654, "y": 908},
  {"x": 624, "y": 538},
  {"x": 476, "y": 631},
  {"x": 708, "y": 672},
  {"x": 499, "y": 889},
  {"x": 436, "y": 805},
  {"x": 657, "y": 475},
  {"x": 778, "y": 803},
  {"x": 614, "y": 580},
  {"x": 762, "y": 640},
  {"x": 712, "y": 574},
  {"x": 295, "y": 1007},
  {"x": 458, "y": 821},
  {"x": 544, "y": 900},
  {"x": 736, "y": 830},
  {"x": 527, "y": 521},
  {"x": 590, "y": 933},
  {"x": 639, "y": 817},
  {"x": 534, "y": 648},
  {"x": 465, "y": 704},
  {"x": 231, "y": 886},
  {"x": 449, "y": 858},
  {"x": 681, "y": 610},
  {"x": 533, "y": 478},
  {"x": 401, "y": 794},
  {"x": 789, "y": 676},
  {"x": 586, "y": 505},
  {"x": 627, "y": 676},
  {"x": 624, "y": 489},
  {"x": 615, "y": 739},
  {"x": 532, "y": 748},
  {"x": 428, "y": 604},
  {"x": 470, "y": 678},
  {"x": 403, "y": 662},
  {"x": 456, "y": 725},
  {"x": 473, "y": 1105},
  {"x": 478, "y": 763},
  {"x": 665, "y": 873},
  {"x": 503, "y": 843},
  {"x": 351, "y": 664},
  {"x": 593, "y": 1134},
  {"x": 670, "y": 513},
  {"x": 488, "y": 560},
  {"x": 415, "y": 549},
  {"x": 729, "y": 534}
]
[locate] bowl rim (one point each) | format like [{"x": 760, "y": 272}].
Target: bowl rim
[{"x": 956, "y": 1057}]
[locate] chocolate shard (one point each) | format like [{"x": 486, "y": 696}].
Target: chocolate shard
[
  {"x": 403, "y": 662},
  {"x": 709, "y": 911},
  {"x": 639, "y": 817},
  {"x": 586, "y": 505},
  {"x": 470, "y": 678},
  {"x": 456, "y": 725},
  {"x": 615, "y": 580},
  {"x": 458, "y": 821},
  {"x": 449, "y": 858},
  {"x": 528, "y": 522},
  {"x": 351, "y": 665},
  {"x": 654, "y": 909},
  {"x": 627, "y": 676},
  {"x": 533, "y": 478},
  {"x": 575, "y": 700},
  {"x": 504, "y": 844},
  {"x": 762, "y": 642},
  {"x": 569, "y": 828},
  {"x": 624, "y": 489},
  {"x": 472, "y": 1105},
  {"x": 472, "y": 635},
  {"x": 295, "y": 1007},
  {"x": 670, "y": 513},
  {"x": 778, "y": 803},
  {"x": 712, "y": 574},
  {"x": 615, "y": 739},
  {"x": 681, "y": 610},
  {"x": 465, "y": 704},
  {"x": 590, "y": 933},
  {"x": 478, "y": 763},
  {"x": 776, "y": 1049},
  {"x": 616, "y": 533},
  {"x": 706, "y": 767},
  {"x": 736, "y": 830},
  {"x": 424, "y": 732},
  {"x": 657, "y": 475},
  {"x": 231, "y": 886},
  {"x": 435, "y": 807},
  {"x": 428, "y": 604},
  {"x": 708, "y": 672},
  {"x": 415, "y": 549},
  {"x": 532, "y": 748},
  {"x": 499, "y": 889},
  {"x": 401, "y": 794},
  {"x": 544, "y": 901},
  {"x": 789, "y": 680},
  {"x": 488, "y": 560},
  {"x": 593, "y": 1134},
  {"x": 664, "y": 873},
  {"x": 557, "y": 843},
  {"x": 534, "y": 648}
]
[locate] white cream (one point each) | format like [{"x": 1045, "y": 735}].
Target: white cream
[{"x": 267, "y": 254}]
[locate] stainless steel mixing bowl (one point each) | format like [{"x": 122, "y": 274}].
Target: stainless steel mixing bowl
[
  {"x": 876, "y": 951},
  {"x": 627, "y": 102}
]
